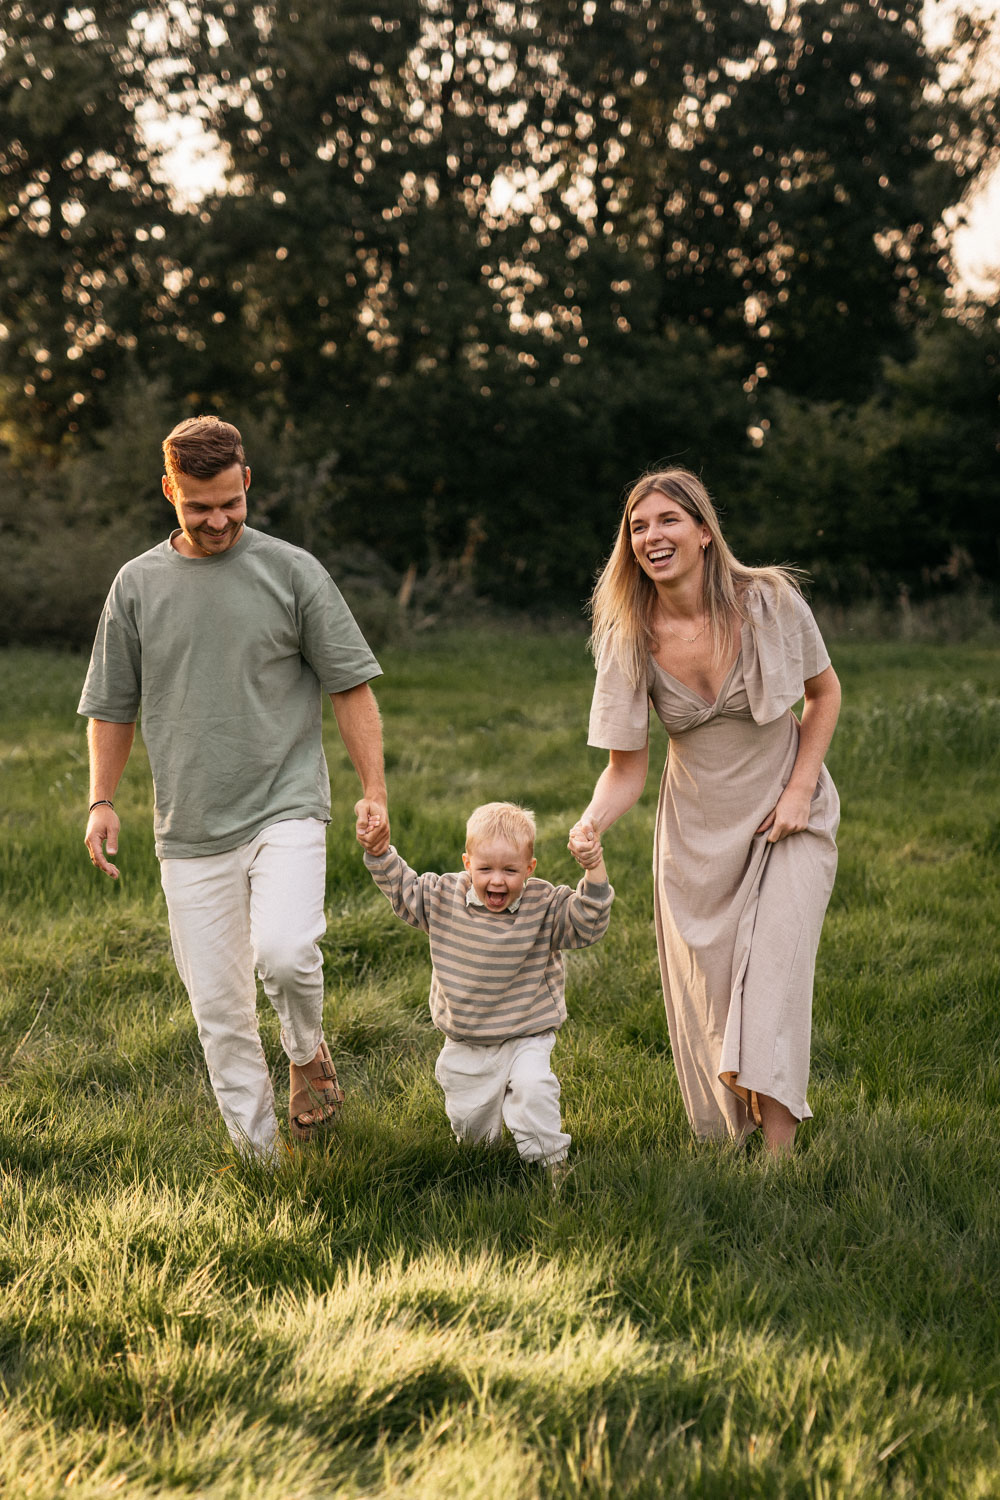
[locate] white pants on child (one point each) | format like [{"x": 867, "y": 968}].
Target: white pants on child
[
  {"x": 512, "y": 1084},
  {"x": 259, "y": 907}
]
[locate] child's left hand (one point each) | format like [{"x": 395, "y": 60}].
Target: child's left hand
[{"x": 372, "y": 829}]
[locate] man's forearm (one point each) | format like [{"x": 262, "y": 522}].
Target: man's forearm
[
  {"x": 110, "y": 745},
  {"x": 361, "y": 731}
]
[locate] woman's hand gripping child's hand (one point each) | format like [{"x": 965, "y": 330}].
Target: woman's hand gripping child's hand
[{"x": 585, "y": 845}]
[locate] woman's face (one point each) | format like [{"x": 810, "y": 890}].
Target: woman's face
[{"x": 666, "y": 540}]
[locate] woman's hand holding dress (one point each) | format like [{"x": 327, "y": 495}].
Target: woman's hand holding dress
[
  {"x": 820, "y": 710},
  {"x": 791, "y": 815}
]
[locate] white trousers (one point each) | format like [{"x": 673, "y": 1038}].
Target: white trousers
[
  {"x": 509, "y": 1084},
  {"x": 256, "y": 908}
]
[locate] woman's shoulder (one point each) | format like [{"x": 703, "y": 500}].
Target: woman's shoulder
[
  {"x": 770, "y": 598},
  {"x": 627, "y": 662},
  {"x": 619, "y": 711},
  {"x": 783, "y": 647}
]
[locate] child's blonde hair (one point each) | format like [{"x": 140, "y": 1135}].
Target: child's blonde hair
[{"x": 501, "y": 820}]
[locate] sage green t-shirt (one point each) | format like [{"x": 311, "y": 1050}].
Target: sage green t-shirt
[{"x": 227, "y": 658}]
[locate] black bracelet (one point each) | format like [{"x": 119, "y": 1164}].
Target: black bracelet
[{"x": 102, "y": 802}]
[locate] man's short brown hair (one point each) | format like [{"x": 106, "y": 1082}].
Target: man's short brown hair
[{"x": 202, "y": 447}]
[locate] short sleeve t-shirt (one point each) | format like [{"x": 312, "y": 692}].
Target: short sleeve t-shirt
[{"x": 227, "y": 658}]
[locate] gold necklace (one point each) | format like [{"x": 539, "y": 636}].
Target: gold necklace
[{"x": 687, "y": 638}]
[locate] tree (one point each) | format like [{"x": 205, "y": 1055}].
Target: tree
[
  {"x": 776, "y": 176},
  {"x": 358, "y": 220},
  {"x": 83, "y": 221},
  {"x": 899, "y": 490}
]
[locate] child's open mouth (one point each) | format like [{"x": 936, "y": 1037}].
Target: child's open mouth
[{"x": 496, "y": 899}]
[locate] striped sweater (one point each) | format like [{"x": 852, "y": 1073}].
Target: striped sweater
[{"x": 496, "y": 975}]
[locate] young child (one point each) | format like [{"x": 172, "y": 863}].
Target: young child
[{"x": 498, "y": 982}]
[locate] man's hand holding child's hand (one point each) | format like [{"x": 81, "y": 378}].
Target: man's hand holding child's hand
[
  {"x": 585, "y": 845},
  {"x": 372, "y": 828}
]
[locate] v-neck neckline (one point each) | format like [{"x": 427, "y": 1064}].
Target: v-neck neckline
[{"x": 693, "y": 692}]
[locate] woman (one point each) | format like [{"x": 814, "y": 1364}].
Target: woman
[{"x": 745, "y": 851}]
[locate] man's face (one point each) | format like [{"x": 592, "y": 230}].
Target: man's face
[{"x": 210, "y": 512}]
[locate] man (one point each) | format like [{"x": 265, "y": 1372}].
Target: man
[{"x": 226, "y": 639}]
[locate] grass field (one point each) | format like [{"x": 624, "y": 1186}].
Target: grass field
[{"x": 396, "y": 1316}]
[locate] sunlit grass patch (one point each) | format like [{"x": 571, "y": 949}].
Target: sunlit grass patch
[{"x": 390, "y": 1314}]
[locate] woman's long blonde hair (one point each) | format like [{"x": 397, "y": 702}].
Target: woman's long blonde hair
[{"x": 623, "y": 603}]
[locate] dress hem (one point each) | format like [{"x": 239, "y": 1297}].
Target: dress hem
[{"x": 749, "y": 1096}]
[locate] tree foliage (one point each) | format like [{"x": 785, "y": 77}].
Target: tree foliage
[
  {"x": 83, "y": 216},
  {"x": 900, "y": 489},
  {"x": 477, "y": 262}
]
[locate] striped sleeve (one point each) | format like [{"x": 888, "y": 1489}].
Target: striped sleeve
[
  {"x": 582, "y": 916},
  {"x": 408, "y": 893}
]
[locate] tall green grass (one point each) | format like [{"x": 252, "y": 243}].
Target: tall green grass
[{"x": 393, "y": 1315}]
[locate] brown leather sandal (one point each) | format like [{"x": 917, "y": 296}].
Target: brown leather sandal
[{"x": 315, "y": 1096}]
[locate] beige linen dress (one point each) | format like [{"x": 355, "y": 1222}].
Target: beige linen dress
[{"x": 738, "y": 919}]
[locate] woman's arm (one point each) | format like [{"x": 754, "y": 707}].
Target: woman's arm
[
  {"x": 618, "y": 788},
  {"x": 819, "y": 719}
]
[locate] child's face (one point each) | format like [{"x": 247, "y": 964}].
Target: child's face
[{"x": 498, "y": 870}]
